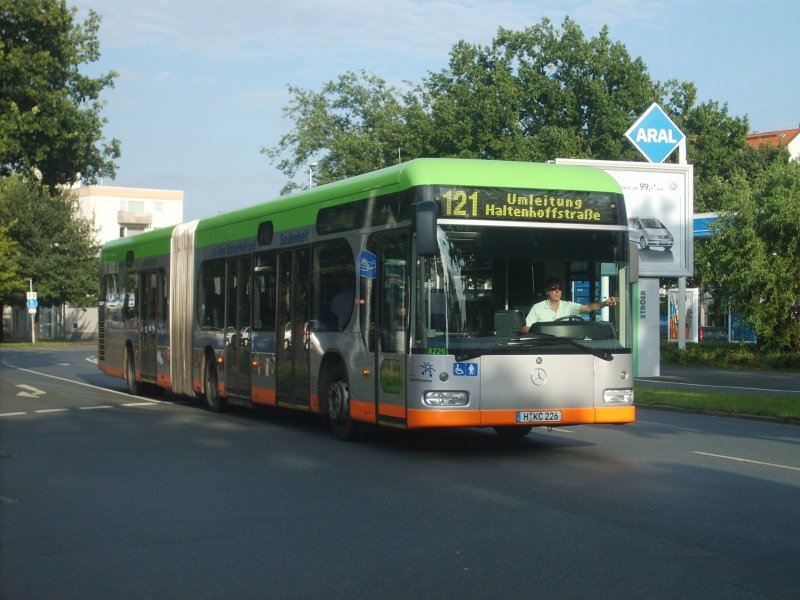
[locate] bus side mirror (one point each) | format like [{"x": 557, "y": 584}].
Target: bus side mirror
[
  {"x": 633, "y": 253},
  {"x": 425, "y": 223}
]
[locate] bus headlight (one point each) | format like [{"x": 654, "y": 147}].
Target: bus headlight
[
  {"x": 623, "y": 396},
  {"x": 445, "y": 398}
]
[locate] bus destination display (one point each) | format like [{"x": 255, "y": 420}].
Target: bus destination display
[{"x": 527, "y": 205}]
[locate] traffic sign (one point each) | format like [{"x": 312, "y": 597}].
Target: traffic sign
[
  {"x": 31, "y": 295},
  {"x": 654, "y": 134},
  {"x": 32, "y": 303}
]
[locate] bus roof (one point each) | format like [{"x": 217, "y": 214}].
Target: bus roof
[{"x": 419, "y": 172}]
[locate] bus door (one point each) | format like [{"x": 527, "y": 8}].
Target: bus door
[
  {"x": 238, "y": 332},
  {"x": 153, "y": 312},
  {"x": 292, "y": 328},
  {"x": 391, "y": 323}
]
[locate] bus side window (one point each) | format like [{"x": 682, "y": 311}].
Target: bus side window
[
  {"x": 211, "y": 302},
  {"x": 334, "y": 285},
  {"x": 130, "y": 309},
  {"x": 264, "y": 293}
]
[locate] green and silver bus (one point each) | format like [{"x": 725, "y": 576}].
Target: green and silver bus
[{"x": 393, "y": 298}]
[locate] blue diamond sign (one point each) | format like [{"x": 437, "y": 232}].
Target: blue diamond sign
[{"x": 654, "y": 134}]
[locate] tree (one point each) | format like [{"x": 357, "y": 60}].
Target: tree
[
  {"x": 752, "y": 259},
  {"x": 10, "y": 279},
  {"x": 50, "y": 122},
  {"x": 356, "y": 124},
  {"x": 538, "y": 94},
  {"x": 55, "y": 244}
]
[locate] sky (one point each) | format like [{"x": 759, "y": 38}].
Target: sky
[{"x": 202, "y": 84}]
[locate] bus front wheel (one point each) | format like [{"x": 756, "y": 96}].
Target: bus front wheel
[
  {"x": 512, "y": 432},
  {"x": 134, "y": 387},
  {"x": 214, "y": 401},
  {"x": 338, "y": 404}
]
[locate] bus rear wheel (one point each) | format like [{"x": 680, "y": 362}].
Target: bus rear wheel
[
  {"x": 338, "y": 405},
  {"x": 214, "y": 401}
]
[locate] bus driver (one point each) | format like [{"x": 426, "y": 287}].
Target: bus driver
[{"x": 555, "y": 308}]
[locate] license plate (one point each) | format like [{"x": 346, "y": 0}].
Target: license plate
[{"x": 538, "y": 416}]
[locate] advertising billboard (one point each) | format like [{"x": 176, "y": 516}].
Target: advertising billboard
[{"x": 659, "y": 199}]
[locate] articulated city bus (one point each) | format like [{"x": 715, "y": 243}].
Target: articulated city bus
[{"x": 393, "y": 298}]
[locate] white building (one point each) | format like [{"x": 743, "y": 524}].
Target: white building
[
  {"x": 116, "y": 212},
  {"x": 121, "y": 212}
]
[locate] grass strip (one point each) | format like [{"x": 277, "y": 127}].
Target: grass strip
[{"x": 779, "y": 407}]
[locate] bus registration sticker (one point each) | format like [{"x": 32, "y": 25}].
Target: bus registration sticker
[{"x": 538, "y": 416}]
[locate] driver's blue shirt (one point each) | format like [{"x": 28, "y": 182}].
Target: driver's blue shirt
[{"x": 542, "y": 311}]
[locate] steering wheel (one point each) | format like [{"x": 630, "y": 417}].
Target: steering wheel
[{"x": 571, "y": 318}]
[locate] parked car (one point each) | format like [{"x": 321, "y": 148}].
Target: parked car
[{"x": 712, "y": 334}]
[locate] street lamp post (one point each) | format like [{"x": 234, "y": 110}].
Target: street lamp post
[
  {"x": 311, "y": 168},
  {"x": 32, "y": 312}
]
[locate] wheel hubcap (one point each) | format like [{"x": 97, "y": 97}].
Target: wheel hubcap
[{"x": 337, "y": 400}]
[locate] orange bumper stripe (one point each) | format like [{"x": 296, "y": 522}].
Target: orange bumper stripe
[
  {"x": 490, "y": 418},
  {"x": 362, "y": 411},
  {"x": 264, "y": 396}
]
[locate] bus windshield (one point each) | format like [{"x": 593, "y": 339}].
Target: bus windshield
[{"x": 473, "y": 297}]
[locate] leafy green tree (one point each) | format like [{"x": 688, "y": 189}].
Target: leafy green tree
[
  {"x": 537, "y": 94},
  {"x": 55, "y": 244},
  {"x": 356, "y": 124},
  {"x": 50, "y": 121},
  {"x": 752, "y": 259},
  {"x": 10, "y": 280}
]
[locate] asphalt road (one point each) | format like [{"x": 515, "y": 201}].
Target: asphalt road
[{"x": 104, "y": 495}]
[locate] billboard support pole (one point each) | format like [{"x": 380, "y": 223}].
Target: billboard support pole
[{"x": 682, "y": 280}]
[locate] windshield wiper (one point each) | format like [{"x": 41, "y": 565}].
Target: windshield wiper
[
  {"x": 532, "y": 341},
  {"x": 546, "y": 337}
]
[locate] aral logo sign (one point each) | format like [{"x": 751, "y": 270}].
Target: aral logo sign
[{"x": 654, "y": 134}]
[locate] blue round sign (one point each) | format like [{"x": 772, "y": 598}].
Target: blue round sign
[{"x": 33, "y": 303}]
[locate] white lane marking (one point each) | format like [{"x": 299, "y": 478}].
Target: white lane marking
[
  {"x": 140, "y": 404},
  {"x": 30, "y": 391},
  {"x": 89, "y": 385},
  {"x": 50, "y": 410},
  {"x": 747, "y": 460},
  {"x": 95, "y": 407},
  {"x": 14, "y": 414}
]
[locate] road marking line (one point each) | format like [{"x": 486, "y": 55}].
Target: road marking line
[
  {"x": 89, "y": 385},
  {"x": 140, "y": 404},
  {"x": 15, "y": 414},
  {"x": 746, "y": 460},
  {"x": 51, "y": 410},
  {"x": 95, "y": 407}
]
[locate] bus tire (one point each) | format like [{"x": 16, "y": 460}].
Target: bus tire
[
  {"x": 513, "y": 432},
  {"x": 214, "y": 402},
  {"x": 134, "y": 387},
  {"x": 337, "y": 398}
]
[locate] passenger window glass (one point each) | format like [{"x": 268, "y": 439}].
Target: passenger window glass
[
  {"x": 334, "y": 285},
  {"x": 211, "y": 300},
  {"x": 264, "y": 293}
]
